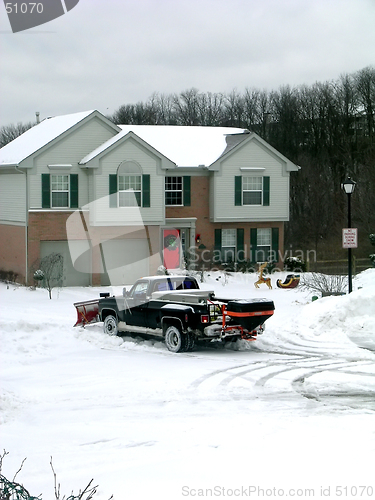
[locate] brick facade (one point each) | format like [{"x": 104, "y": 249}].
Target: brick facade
[{"x": 13, "y": 250}]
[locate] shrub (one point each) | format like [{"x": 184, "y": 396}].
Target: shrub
[
  {"x": 294, "y": 264},
  {"x": 8, "y": 276},
  {"x": 324, "y": 283}
]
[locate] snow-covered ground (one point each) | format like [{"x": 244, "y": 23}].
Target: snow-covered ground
[{"x": 292, "y": 414}]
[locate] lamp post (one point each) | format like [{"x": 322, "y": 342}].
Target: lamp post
[{"x": 348, "y": 186}]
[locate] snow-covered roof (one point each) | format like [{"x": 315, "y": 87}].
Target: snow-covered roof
[
  {"x": 186, "y": 146},
  {"x": 38, "y": 136}
]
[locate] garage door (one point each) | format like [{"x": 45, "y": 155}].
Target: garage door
[
  {"x": 72, "y": 277},
  {"x": 124, "y": 261}
]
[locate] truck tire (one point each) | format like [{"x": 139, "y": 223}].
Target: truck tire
[
  {"x": 175, "y": 340},
  {"x": 110, "y": 325},
  {"x": 190, "y": 342}
]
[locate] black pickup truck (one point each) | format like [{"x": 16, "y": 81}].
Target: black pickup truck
[{"x": 175, "y": 309}]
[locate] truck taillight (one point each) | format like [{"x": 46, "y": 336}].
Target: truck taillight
[{"x": 205, "y": 318}]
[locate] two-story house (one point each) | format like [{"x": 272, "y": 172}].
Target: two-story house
[{"x": 118, "y": 201}]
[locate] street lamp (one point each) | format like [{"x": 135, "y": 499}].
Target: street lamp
[{"x": 348, "y": 186}]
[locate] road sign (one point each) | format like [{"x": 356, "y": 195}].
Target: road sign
[{"x": 350, "y": 237}]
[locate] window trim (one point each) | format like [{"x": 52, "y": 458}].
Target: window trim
[
  {"x": 239, "y": 191},
  {"x": 178, "y": 191},
  {"x": 261, "y": 190},
  {"x": 139, "y": 191},
  {"x": 52, "y": 191},
  {"x": 228, "y": 247}
]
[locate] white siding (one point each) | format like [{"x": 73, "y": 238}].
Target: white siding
[
  {"x": 252, "y": 155},
  {"x": 129, "y": 150},
  {"x": 13, "y": 198},
  {"x": 69, "y": 150}
]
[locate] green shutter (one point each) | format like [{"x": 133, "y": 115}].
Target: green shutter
[
  {"x": 240, "y": 244},
  {"x": 187, "y": 188},
  {"x": 238, "y": 191},
  {"x": 275, "y": 244},
  {"x": 266, "y": 191},
  {"x": 73, "y": 190},
  {"x": 253, "y": 243},
  {"x": 218, "y": 239},
  {"x": 46, "y": 191},
  {"x": 146, "y": 191},
  {"x": 112, "y": 190}
]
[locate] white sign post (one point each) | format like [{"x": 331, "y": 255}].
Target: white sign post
[{"x": 350, "y": 237}]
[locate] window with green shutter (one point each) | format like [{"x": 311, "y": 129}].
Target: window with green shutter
[
  {"x": 264, "y": 244},
  {"x": 252, "y": 190},
  {"x": 129, "y": 187},
  {"x": 59, "y": 190}
]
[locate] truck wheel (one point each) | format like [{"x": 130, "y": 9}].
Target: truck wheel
[
  {"x": 190, "y": 342},
  {"x": 110, "y": 325},
  {"x": 174, "y": 339}
]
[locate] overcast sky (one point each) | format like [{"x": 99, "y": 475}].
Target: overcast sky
[{"x": 105, "y": 53}]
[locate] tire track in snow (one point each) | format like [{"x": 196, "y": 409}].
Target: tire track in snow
[{"x": 287, "y": 375}]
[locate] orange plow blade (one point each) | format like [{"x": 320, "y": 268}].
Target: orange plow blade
[{"x": 87, "y": 312}]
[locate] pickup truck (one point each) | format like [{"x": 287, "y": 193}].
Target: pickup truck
[{"x": 175, "y": 309}]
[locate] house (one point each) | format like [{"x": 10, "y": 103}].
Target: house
[{"x": 119, "y": 201}]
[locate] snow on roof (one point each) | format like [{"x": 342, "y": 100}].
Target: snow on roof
[
  {"x": 186, "y": 146},
  {"x": 38, "y": 136}
]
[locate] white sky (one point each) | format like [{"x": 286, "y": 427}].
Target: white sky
[{"x": 105, "y": 53}]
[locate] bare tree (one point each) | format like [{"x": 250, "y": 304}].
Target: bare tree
[
  {"x": 10, "y": 132},
  {"x": 52, "y": 269},
  {"x": 186, "y": 106}
]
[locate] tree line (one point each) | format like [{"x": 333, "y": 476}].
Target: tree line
[{"x": 328, "y": 129}]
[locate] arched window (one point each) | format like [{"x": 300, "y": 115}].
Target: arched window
[{"x": 129, "y": 176}]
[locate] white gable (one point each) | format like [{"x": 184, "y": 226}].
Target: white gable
[{"x": 37, "y": 137}]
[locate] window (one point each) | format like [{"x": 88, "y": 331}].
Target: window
[
  {"x": 264, "y": 243},
  {"x": 130, "y": 190},
  {"x": 228, "y": 245},
  {"x": 252, "y": 190},
  {"x": 139, "y": 290},
  {"x": 129, "y": 187},
  {"x": 59, "y": 191},
  {"x": 177, "y": 191},
  {"x": 173, "y": 191}
]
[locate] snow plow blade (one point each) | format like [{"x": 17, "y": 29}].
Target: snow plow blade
[{"x": 87, "y": 312}]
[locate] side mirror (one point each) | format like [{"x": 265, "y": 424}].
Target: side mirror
[{"x": 125, "y": 293}]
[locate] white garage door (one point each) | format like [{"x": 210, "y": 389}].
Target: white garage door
[
  {"x": 124, "y": 261},
  {"x": 72, "y": 277}
]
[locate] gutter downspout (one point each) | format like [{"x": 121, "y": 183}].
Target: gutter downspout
[{"x": 26, "y": 224}]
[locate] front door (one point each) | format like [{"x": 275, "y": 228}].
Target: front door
[{"x": 175, "y": 247}]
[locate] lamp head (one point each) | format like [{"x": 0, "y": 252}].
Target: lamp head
[{"x": 348, "y": 185}]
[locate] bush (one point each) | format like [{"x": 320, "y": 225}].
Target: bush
[
  {"x": 324, "y": 283},
  {"x": 10, "y": 490},
  {"x": 8, "y": 276},
  {"x": 294, "y": 264}
]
